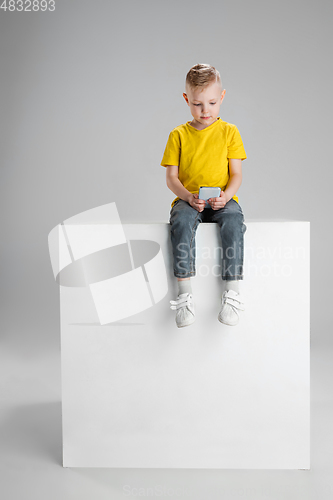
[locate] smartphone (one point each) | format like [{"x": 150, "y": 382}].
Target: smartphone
[{"x": 206, "y": 192}]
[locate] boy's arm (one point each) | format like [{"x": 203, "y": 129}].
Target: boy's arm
[
  {"x": 235, "y": 180},
  {"x": 179, "y": 190}
]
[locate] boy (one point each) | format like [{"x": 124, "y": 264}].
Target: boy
[{"x": 205, "y": 152}]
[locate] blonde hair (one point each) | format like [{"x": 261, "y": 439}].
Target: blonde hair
[{"x": 202, "y": 75}]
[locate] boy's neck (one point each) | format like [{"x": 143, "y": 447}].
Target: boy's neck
[{"x": 200, "y": 126}]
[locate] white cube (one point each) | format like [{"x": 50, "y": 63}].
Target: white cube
[{"x": 139, "y": 392}]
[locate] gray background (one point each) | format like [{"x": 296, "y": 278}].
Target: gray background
[{"x": 89, "y": 94}]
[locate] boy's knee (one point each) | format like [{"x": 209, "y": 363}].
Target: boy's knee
[
  {"x": 182, "y": 221},
  {"x": 233, "y": 219}
]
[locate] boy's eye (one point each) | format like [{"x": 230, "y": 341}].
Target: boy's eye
[{"x": 213, "y": 103}]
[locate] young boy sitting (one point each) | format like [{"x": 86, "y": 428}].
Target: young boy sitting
[{"x": 205, "y": 152}]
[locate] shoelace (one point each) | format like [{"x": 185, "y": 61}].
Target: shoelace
[
  {"x": 184, "y": 301},
  {"x": 233, "y": 300}
]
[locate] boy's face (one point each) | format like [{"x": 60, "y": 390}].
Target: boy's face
[{"x": 204, "y": 104}]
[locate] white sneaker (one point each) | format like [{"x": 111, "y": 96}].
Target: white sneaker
[
  {"x": 231, "y": 304},
  {"x": 185, "y": 309}
]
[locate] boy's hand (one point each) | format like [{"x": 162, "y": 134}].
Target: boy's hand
[
  {"x": 196, "y": 203},
  {"x": 217, "y": 203}
]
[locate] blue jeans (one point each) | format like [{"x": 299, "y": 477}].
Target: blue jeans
[{"x": 184, "y": 221}]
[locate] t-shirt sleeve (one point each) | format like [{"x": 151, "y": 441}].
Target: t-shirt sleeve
[
  {"x": 235, "y": 144},
  {"x": 172, "y": 150}
]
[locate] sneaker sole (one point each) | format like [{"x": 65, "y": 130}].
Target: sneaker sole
[
  {"x": 188, "y": 323},
  {"x": 229, "y": 324}
]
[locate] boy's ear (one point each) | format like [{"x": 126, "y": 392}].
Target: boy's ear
[
  {"x": 222, "y": 95},
  {"x": 185, "y": 97}
]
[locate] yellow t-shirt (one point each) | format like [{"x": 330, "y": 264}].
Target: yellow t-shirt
[{"x": 203, "y": 155}]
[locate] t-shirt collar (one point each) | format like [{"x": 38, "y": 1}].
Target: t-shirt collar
[{"x": 218, "y": 119}]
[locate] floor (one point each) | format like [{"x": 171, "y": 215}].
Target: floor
[{"x": 30, "y": 451}]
